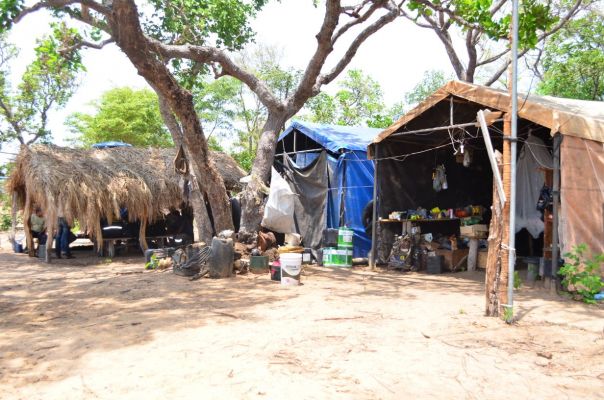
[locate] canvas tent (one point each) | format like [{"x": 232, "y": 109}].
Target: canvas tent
[
  {"x": 431, "y": 130},
  {"x": 327, "y": 167},
  {"x": 89, "y": 185}
]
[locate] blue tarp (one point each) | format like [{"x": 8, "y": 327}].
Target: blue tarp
[
  {"x": 108, "y": 145},
  {"x": 335, "y": 137},
  {"x": 350, "y": 174}
]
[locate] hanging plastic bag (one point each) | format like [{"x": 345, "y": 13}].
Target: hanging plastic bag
[
  {"x": 279, "y": 209},
  {"x": 439, "y": 179}
]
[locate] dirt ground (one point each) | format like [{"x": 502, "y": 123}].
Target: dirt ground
[{"x": 92, "y": 329}]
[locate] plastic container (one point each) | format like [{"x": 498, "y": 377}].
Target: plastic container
[
  {"x": 330, "y": 237},
  {"x": 276, "y": 271},
  {"x": 258, "y": 264},
  {"x": 328, "y": 256},
  {"x": 532, "y": 272},
  {"x": 435, "y": 264},
  {"x": 345, "y": 238},
  {"x": 307, "y": 256},
  {"x": 291, "y": 265},
  {"x": 337, "y": 257},
  {"x": 42, "y": 251},
  {"x": 221, "y": 261}
]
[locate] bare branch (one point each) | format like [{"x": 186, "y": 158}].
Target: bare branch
[
  {"x": 206, "y": 55},
  {"x": 445, "y": 38},
  {"x": 415, "y": 21},
  {"x": 324, "y": 48},
  {"x": 497, "y": 6},
  {"x": 452, "y": 15},
  {"x": 93, "y": 5},
  {"x": 85, "y": 43},
  {"x": 393, "y": 13},
  {"x": 358, "y": 19}
]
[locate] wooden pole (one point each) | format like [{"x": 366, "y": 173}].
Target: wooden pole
[
  {"x": 493, "y": 268},
  {"x": 505, "y": 234},
  {"x": 142, "y": 235},
  {"x": 26, "y": 228},
  {"x": 51, "y": 227}
]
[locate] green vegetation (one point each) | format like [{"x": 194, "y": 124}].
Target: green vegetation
[
  {"x": 153, "y": 263},
  {"x": 573, "y": 60},
  {"x": 47, "y": 84},
  {"x": 582, "y": 274},
  {"x": 517, "y": 280},
  {"x": 123, "y": 114}
]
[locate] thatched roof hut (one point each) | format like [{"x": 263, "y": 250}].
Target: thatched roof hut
[{"x": 89, "y": 184}]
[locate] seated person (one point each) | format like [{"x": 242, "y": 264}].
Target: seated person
[{"x": 37, "y": 226}]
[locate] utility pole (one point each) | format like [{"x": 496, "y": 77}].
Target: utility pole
[{"x": 499, "y": 280}]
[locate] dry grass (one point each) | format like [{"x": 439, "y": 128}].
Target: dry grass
[{"x": 89, "y": 184}]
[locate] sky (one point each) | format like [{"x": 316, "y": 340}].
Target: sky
[{"x": 396, "y": 57}]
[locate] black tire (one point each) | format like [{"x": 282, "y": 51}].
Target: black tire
[
  {"x": 368, "y": 217},
  {"x": 235, "y": 212}
]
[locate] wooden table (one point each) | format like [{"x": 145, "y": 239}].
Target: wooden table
[{"x": 405, "y": 222}]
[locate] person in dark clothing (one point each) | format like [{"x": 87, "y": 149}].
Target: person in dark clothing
[{"x": 63, "y": 239}]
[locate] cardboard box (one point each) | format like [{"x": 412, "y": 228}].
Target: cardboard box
[
  {"x": 482, "y": 258},
  {"x": 452, "y": 258},
  {"x": 479, "y": 230}
]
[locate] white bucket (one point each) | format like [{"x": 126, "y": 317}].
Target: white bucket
[{"x": 291, "y": 264}]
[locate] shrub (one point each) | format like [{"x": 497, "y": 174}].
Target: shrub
[{"x": 582, "y": 274}]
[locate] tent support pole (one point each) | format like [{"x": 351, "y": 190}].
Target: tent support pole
[
  {"x": 295, "y": 140},
  {"x": 372, "y": 259},
  {"x": 440, "y": 128},
  {"x": 451, "y": 111},
  {"x": 555, "y": 222}
]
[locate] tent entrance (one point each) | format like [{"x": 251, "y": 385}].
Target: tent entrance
[{"x": 407, "y": 165}]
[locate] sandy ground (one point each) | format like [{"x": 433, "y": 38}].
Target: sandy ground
[{"x": 89, "y": 329}]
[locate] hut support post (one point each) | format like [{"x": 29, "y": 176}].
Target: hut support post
[
  {"x": 142, "y": 235},
  {"x": 26, "y": 228},
  {"x": 50, "y": 228},
  {"x": 13, "y": 226}
]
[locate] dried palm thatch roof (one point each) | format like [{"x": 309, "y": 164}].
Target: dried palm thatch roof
[{"x": 89, "y": 184}]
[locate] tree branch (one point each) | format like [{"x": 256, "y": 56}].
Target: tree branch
[
  {"x": 354, "y": 46},
  {"x": 561, "y": 23},
  {"x": 445, "y": 38},
  {"x": 208, "y": 55},
  {"x": 85, "y": 43},
  {"x": 324, "y": 48},
  {"x": 93, "y": 5},
  {"x": 358, "y": 19}
]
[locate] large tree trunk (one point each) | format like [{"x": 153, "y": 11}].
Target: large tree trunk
[
  {"x": 252, "y": 199},
  {"x": 208, "y": 192}
]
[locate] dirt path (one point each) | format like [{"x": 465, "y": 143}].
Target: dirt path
[{"x": 87, "y": 329}]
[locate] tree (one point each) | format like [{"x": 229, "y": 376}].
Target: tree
[
  {"x": 229, "y": 107},
  {"x": 189, "y": 37},
  {"x": 431, "y": 81},
  {"x": 47, "y": 84},
  {"x": 123, "y": 114},
  {"x": 483, "y": 25},
  {"x": 358, "y": 102},
  {"x": 169, "y": 45},
  {"x": 573, "y": 60}
]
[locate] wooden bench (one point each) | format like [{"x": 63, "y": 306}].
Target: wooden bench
[{"x": 109, "y": 244}]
